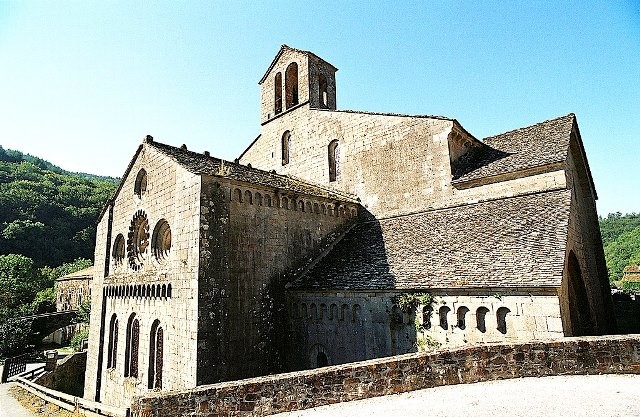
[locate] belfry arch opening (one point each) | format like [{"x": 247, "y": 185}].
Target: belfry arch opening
[
  {"x": 579, "y": 309},
  {"x": 323, "y": 94},
  {"x": 291, "y": 85}
]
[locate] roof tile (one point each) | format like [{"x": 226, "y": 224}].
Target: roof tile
[{"x": 497, "y": 243}]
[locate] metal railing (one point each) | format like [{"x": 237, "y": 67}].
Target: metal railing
[{"x": 14, "y": 366}]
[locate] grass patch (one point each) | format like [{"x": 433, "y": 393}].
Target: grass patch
[{"x": 38, "y": 406}]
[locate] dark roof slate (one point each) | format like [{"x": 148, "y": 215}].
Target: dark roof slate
[
  {"x": 201, "y": 164},
  {"x": 528, "y": 147},
  {"x": 514, "y": 242}
]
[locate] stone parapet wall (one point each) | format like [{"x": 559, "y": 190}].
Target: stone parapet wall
[{"x": 306, "y": 389}]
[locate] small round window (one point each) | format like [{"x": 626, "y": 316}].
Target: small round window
[
  {"x": 138, "y": 241},
  {"x": 118, "y": 250},
  {"x": 161, "y": 241},
  {"x": 140, "y": 186}
]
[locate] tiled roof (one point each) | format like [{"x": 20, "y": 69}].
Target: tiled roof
[
  {"x": 198, "y": 163},
  {"x": 529, "y": 147},
  {"x": 86, "y": 273},
  {"x": 513, "y": 242},
  {"x": 631, "y": 269}
]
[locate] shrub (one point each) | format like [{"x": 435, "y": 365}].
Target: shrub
[{"x": 76, "y": 340}]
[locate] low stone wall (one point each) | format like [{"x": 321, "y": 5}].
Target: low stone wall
[
  {"x": 306, "y": 389},
  {"x": 68, "y": 377}
]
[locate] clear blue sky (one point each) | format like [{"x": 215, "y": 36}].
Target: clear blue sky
[{"x": 82, "y": 82}]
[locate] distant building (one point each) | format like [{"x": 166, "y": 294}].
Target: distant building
[
  {"x": 631, "y": 273},
  {"x": 300, "y": 254},
  {"x": 72, "y": 289}
]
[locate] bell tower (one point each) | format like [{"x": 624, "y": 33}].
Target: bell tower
[{"x": 296, "y": 78}]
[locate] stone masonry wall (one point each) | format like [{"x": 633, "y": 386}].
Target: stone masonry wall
[
  {"x": 251, "y": 238},
  {"x": 70, "y": 293},
  {"x": 306, "y": 389},
  {"x": 354, "y": 326},
  {"x": 161, "y": 289},
  {"x": 68, "y": 376},
  {"x": 585, "y": 242},
  {"x": 394, "y": 164},
  {"x": 267, "y": 97}
]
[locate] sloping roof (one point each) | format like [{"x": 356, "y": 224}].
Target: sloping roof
[
  {"x": 514, "y": 242},
  {"x": 202, "y": 164},
  {"x": 525, "y": 148},
  {"x": 283, "y": 48},
  {"x": 86, "y": 273}
]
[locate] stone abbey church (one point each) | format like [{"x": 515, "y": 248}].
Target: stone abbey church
[{"x": 296, "y": 255}]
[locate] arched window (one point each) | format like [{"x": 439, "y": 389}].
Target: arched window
[
  {"x": 323, "y": 96},
  {"x": 286, "y": 147},
  {"x": 140, "y": 186},
  {"x": 291, "y": 85},
  {"x": 481, "y": 319},
  {"x": 278, "y": 93},
  {"x": 334, "y": 160},
  {"x": 161, "y": 241},
  {"x": 427, "y": 312},
  {"x": 333, "y": 312},
  {"x": 444, "y": 321},
  {"x": 462, "y": 313},
  {"x": 112, "y": 352},
  {"x": 501, "y": 316},
  {"x": 355, "y": 312},
  {"x": 118, "y": 250},
  {"x": 131, "y": 351},
  {"x": 156, "y": 340}
]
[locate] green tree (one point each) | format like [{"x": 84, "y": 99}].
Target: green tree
[
  {"x": 622, "y": 252},
  {"x": 19, "y": 280}
]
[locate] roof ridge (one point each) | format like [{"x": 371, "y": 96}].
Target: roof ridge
[
  {"x": 165, "y": 149},
  {"x": 555, "y": 119},
  {"x": 423, "y": 116}
]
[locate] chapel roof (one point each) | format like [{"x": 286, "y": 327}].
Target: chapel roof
[
  {"x": 498, "y": 243},
  {"x": 86, "y": 273},
  {"x": 529, "y": 147},
  {"x": 203, "y": 164}
]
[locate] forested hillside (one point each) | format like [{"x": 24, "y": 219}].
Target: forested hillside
[
  {"x": 46, "y": 213},
  {"x": 621, "y": 240}
]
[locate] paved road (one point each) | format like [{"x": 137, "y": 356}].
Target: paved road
[
  {"x": 594, "y": 395},
  {"x": 9, "y": 406}
]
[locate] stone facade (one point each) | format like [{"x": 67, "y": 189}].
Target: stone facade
[
  {"x": 296, "y": 255},
  {"x": 73, "y": 289}
]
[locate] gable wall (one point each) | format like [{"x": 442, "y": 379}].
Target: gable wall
[
  {"x": 172, "y": 194},
  {"x": 248, "y": 246},
  {"x": 585, "y": 242}
]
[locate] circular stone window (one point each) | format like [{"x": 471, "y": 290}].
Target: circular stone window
[
  {"x": 118, "y": 250},
  {"x": 138, "y": 241},
  {"x": 140, "y": 186},
  {"x": 161, "y": 241}
]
